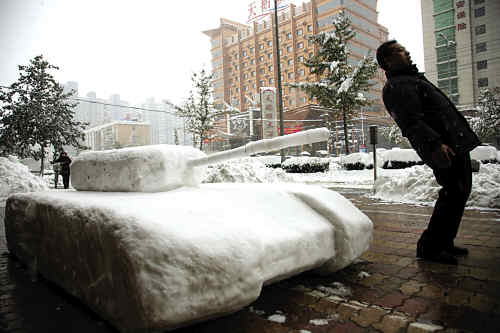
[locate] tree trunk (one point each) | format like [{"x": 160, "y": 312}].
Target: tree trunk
[
  {"x": 346, "y": 139},
  {"x": 42, "y": 162}
]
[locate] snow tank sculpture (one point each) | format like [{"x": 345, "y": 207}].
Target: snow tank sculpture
[{"x": 149, "y": 248}]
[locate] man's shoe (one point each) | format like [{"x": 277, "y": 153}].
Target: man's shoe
[
  {"x": 442, "y": 257},
  {"x": 457, "y": 251}
]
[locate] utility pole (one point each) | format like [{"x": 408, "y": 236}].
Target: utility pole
[{"x": 278, "y": 65}]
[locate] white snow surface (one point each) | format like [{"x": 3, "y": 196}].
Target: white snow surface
[
  {"x": 190, "y": 253},
  {"x": 418, "y": 185},
  {"x": 484, "y": 153},
  {"x": 245, "y": 170},
  {"x": 16, "y": 178},
  {"x": 151, "y": 168},
  {"x": 401, "y": 155}
]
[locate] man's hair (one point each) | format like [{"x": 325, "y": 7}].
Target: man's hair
[{"x": 383, "y": 51}]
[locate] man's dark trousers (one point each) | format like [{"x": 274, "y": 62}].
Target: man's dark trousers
[{"x": 456, "y": 183}]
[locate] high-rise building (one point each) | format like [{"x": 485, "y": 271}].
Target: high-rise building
[
  {"x": 462, "y": 47},
  {"x": 244, "y": 56},
  {"x": 166, "y": 127}
]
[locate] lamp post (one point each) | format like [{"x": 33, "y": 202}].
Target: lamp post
[
  {"x": 449, "y": 44},
  {"x": 278, "y": 68}
]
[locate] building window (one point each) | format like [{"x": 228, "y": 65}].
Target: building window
[
  {"x": 301, "y": 72},
  {"x": 483, "y": 64},
  {"x": 483, "y": 82},
  {"x": 269, "y": 43},
  {"x": 478, "y": 12},
  {"x": 254, "y": 85},
  {"x": 245, "y": 88},
  {"x": 290, "y": 75},
  {"x": 289, "y": 35},
  {"x": 237, "y": 90},
  {"x": 261, "y": 58},
  {"x": 269, "y": 56},
  {"x": 261, "y": 71},
  {"x": 271, "y": 81},
  {"x": 251, "y": 50},
  {"x": 481, "y": 29},
  {"x": 244, "y": 53},
  {"x": 261, "y": 46},
  {"x": 441, "y": 5},
  {"x": 244, "y": 64},
  {"x": 478, "y": 2},
  {"x": 311, "y": 55},
  {"x": 281, "y": 52},
  {"x": 253, "y": 73},
  {"x": 300, "y": 45},
  {"x": 300, "y": 58},
  {"x": 252, "y": 61},
  {"x": 291, "y": 101},
  {"x": 236, "y": 67},
  {"x": 310, "y": 28},
  {"x": 245, "y": 76},
  {"x": 300, "y": 32},
  {"x": 262, "y": 83},
  {"x": 443, "y": 20},
  {"x": 481, "y": 47},
  {"x": 270, "y": 68},
  {"x": 289, "y": 49}
]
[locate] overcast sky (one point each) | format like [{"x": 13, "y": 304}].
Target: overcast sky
[{"x": 142, "y": 49}]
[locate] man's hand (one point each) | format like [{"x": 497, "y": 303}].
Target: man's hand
[
  {"x": 442, "y": 156},
  {"x": 447, "y": 152}
]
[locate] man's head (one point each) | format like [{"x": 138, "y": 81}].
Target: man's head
[{"x": 392, "y": 56}]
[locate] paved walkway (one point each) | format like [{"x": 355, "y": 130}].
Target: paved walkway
[{"x": 388, "y": 290}]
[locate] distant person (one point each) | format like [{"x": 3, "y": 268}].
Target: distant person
[
  {"x": 57, "y": 171},
  {"x": 443, "y": 139},
  {"x": 64, "y": 162}
]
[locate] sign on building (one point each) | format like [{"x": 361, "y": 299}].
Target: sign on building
[
  {"x": 268, "y": 109},
  {"x": 258, "y": 9}
]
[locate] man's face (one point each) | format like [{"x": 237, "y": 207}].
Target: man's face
[{"x": 400, "y": 58}]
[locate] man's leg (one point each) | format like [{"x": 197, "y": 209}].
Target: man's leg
[
  {"x": 66, "y": 180},
  {"x": 456, "y": 183}
]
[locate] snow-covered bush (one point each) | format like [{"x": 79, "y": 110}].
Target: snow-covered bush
[
  {"x": 360, "y": 161},
  {"x": 245, "y": 170},
  {"x": 485, "y": 154},
  {"x": 398, "y": 158},
  {"x": 271, "y": 161},
  {"x": 305, "y": 164},
  {"x": 16, "y": 177}
]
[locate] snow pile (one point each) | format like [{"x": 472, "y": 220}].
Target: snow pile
[
  {"x": 418, "y": 185},
  {"x": 269, "y": 160},
  {"x": 157, "y": 261},
  {"x": 137, "y": 169},
  {"x": 245, "y": 170},
  {"x": 485, "y": 154},
  {"x": 16, "y": 178}
]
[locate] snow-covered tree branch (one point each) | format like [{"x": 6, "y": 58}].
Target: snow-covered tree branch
[{"x": 486, "y": 121}]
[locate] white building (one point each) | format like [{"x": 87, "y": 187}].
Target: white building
[{"x": 461, "y": 46}]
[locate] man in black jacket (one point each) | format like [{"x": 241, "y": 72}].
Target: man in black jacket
[
  {"x": 64, "y": 161},
  {"x": 443, "y": 139}
]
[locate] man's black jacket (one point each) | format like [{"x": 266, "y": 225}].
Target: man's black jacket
[{"x": 426, "y": 116}]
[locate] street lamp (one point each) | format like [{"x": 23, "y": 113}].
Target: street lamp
[
  {"x": 278, "y": 69},
  {"x": 449, "y": 44}
]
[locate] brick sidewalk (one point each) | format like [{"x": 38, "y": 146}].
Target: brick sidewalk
[{"x": 388, "y": 290}]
